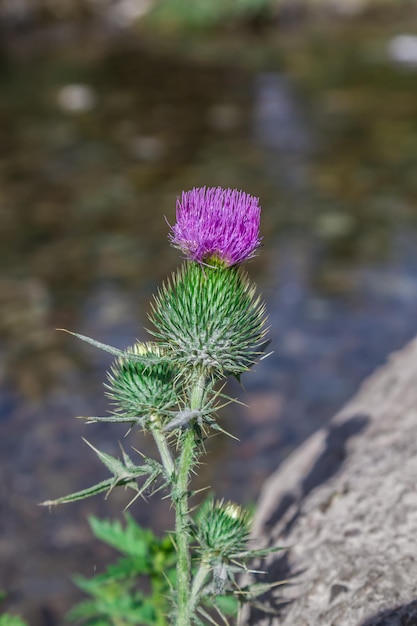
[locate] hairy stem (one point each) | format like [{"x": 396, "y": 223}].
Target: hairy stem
[
  {"x": 198, "y": 584},
  {"x": 182, "y": 531},
  {"x": 164, "y": 451},
  {"x": 182, "y": 521}
]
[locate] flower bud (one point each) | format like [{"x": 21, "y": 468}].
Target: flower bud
[
  {"x": 222, "y": 529},
  {"x": 210, "y": 319},
  {"x": 142, "y": 390}
]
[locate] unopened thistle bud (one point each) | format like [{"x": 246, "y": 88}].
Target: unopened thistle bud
[
  {"x": 222, "y": 529},
  {"x": 140, "y": 390},
  {"x": 210, "y": 319}
]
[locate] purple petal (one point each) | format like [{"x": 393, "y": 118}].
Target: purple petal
[{"x": 215, "y": 223}]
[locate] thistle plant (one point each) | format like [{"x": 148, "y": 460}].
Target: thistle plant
[{"x": 208, "y": 323}]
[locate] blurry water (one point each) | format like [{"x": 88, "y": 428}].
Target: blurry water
[
  {"x": 325, "y": 134},
  {"x": 281, "y": 131}
]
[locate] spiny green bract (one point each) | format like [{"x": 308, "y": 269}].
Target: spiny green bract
[
  {"x": 222, "y": 529},
  {"x": 142, "y": 390},
  {"x": 210, "y": 318}
]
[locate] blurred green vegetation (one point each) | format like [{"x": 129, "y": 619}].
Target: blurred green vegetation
[
  {"x": 208, "y": 13},
  {"x": 116, "y": 597},
  {"x": 11, "y": 620},
  {"x": 178, "y": 15},
  {"x": 7, "y": 619}
]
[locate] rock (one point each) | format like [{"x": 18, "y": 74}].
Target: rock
[{"x": 345, "y": 505}]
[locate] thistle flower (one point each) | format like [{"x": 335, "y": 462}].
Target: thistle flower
[
  {"x": 211, "y": 320},
  {"x": 217, "y": 225}
]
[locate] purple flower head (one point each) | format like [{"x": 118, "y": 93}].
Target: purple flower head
[{"x": 217, "y": 224}]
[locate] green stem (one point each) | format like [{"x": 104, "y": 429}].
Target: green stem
[
  {"x": 164, "y": 451},
  {"x": 198, "y": 583},
  {"x": 197, "y": 392},
  {"x": 182, "y": 521},
  {"x": 182, "y": 531}
]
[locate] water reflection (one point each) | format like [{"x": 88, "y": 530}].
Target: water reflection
[
  {"x": 83, "y": 246},
  {"x": 279, "y": 128}
]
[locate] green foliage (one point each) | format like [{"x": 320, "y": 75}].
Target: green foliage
[
  {"x": 11, "y": 620},
  {"x": 205, "y": 13},
  {"x": 125, "y": 473},
  {"x": 6, "y": 619},
  {"x": 209, "y": 323},
  {"x": 228, "y": 605},
  {"x": 116, "y": 596}
]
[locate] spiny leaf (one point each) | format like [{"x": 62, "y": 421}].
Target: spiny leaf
[
  {"x": 128, "y": 461},
  {"x": 148, "y": 482},
  {"x": 105, "y": 485},
  {"x": 247, "y": 594},
  {"x": 114, "y": 419},
  {"x": 111, "y": 350},
  {"x": 123, "y": 476},
  {"x": 116, "y": 467},
  {"x": 254, "y": 553}
]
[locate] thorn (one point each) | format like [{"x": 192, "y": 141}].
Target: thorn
[
  {"x": 139, "y": 494},
  {"x": 139, "y": 452}
]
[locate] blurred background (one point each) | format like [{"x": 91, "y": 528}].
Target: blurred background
[{"x": 108, "y": 109}]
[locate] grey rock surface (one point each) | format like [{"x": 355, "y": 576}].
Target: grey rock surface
[{"x": 345, "y": 504}]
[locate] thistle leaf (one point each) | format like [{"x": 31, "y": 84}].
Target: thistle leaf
[
  {"x": 249, "y": 554},
  {"x": 111, "y": 350},
  {"x": 130, "y": 539},
  {"x": 251, "y": 592},
  {"x": 123, "y": 475},
  {"x": 116, "y": 467},
  {"x": 114, "y": 419},
  {"x": 105, "y": 485}
]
